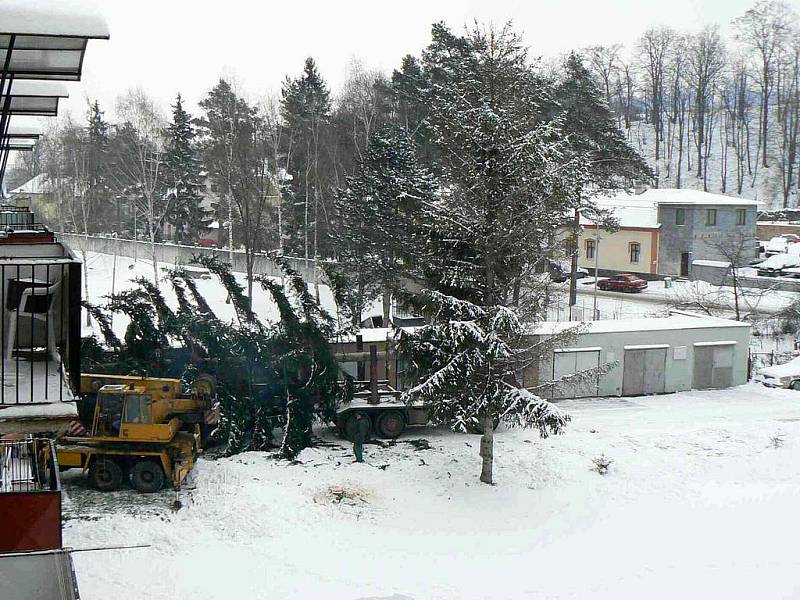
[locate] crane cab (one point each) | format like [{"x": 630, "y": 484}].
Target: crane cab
[{"x": 126, "y": 412}]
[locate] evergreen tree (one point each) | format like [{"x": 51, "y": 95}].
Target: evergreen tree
[
  {"x": 377, "y": 232},
  {"x": 508, "y": 179},
  {"x": 305, "y": 109},
  {"x": 184, "y": 174},
  {"x": 593, "y": 129}
]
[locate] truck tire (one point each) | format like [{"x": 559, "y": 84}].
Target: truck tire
[
  {"x": 147, "y": 476},
  {"x": 391, "y": 424},
  {"x": 106, "y": 474},
  {"x": 350, "y": 425}
]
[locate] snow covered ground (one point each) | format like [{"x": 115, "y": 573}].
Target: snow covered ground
[{"x": 700, "y": 502}]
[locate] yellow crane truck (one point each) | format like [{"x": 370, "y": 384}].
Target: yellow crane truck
[{"x": 143, "y": 429}]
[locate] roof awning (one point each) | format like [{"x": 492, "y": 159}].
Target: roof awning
[
  {"x": 19, "y": 146},
  {"x": 47, "y": 39},
  {"x": 35, "y": 98},
  {"x": 23, "y": 130}
]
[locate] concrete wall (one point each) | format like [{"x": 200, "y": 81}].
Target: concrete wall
[
  {"x": 697, "y": 238},
  {"x": 766, "y": 230},
  {"x": 174, "y": 253},
  {"x": 718, "y": 275},
  {"x": 614, "y": 252},
  {"x": 679, "y": 372}
]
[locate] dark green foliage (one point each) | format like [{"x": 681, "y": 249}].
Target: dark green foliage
[
  {"x": 378, "y": 232},
  {"x": 593, "y": 129},
  {"x": 236, "y": 292},
  {"x": 266, "y": 374},
  {"x": 184, "y": 174},
  {"x": 305, "y": 109}
]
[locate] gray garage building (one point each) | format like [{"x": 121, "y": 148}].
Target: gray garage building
[{"x": 642, "y": 356}]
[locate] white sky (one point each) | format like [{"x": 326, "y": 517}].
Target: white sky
[{"x": 170, "y": 46}]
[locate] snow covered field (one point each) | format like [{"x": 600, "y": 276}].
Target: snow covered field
[{"x": 700, "y": 502}]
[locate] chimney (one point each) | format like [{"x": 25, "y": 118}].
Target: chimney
[{"x": 639, "y": 187}]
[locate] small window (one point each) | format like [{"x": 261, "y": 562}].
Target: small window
[
  {"x": 635, "y": 250},
  {"x": 680, "y": 216},
  {"x": 711, "y": 216},
  {"x": 741, "y": 216},
  {"x": 590, "y": 248}
]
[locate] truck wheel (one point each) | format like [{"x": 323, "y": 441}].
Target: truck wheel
[
  {"x": 147, "y": 476},
  {"x": 391, "y": 424},
  {"x": 106, "y": 474},
  {"x": 350, "y": 425},
  {"x": 795, "y": 385}
]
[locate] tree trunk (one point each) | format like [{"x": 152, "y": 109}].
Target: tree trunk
[
  {"x": 387, "y": 306},
  {"x": 487, "y": 449}
]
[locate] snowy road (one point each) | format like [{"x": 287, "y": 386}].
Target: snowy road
[{"x": 700, "y": 502}]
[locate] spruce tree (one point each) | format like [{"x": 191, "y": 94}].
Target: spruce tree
[
  {"x": 305, "y": 110},
  {"x": 508, "y": 178},
  {"x": 586, "y": 116},
  {"x": 377, "y": 232},
  {"x": 185, "y": 178}
]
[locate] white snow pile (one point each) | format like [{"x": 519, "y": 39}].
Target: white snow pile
[{"x": 697, "y": 503}]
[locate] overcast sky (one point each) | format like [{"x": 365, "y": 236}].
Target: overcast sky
[{"x": 170, "y": 46}]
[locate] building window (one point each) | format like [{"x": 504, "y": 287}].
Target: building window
[
  {"x": 711, "y": 216},
  {"x": 680, "y": 216},
  {"x": 741, "y": 216},
  {"x": 635, "y": 250},
  {"x": 590, "y": 248}
]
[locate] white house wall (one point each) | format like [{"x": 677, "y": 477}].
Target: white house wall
[{"x": 680, "y": 346}]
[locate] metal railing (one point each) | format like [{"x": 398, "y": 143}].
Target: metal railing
[
  {"x": 35, "y": 336},
  {"x": 28, "y": 466}
]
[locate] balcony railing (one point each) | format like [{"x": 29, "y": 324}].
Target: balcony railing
[
  {"x": 28, "y": 466},
  {"x": 39, "y": 330},
  {"x": 30, "y": 496}
]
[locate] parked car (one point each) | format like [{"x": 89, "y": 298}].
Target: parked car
[
  {"x": 560, "y": 271},
  {"x": 206, "y": 243},
  {"x": 781, "y": 243},
  {"x": 775, "y": 265},
  {"x": 624, "y": 282},
  {"x": 781, "y": 376}
]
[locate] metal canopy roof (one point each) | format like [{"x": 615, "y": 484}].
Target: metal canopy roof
[
  {"x": 36, "y": 98},
  {"x": 19, "y": 146},
  {"x": 23, "y": 130},
  {"x": 47, "y": 39}
]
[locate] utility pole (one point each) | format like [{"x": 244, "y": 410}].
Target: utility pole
[
  {"x": 596, "y": 265},
  {"x": 573, "y": 274}
]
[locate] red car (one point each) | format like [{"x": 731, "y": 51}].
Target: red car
[
  {"x": 207, "y": 243},
  {"x": 624, "y": 282}
]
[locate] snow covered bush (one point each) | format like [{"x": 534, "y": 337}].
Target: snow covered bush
[{"x": 601, "y": 464}]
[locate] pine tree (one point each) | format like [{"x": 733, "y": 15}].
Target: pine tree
[
  {"x": 377, "y": 230},
  {"x": 184, "y": 173},
  {"x": 588, "y": 119}
]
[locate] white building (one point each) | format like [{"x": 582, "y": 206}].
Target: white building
[{"x": 633, "y": 357}]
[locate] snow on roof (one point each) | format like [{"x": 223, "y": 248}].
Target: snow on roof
[
  {"x": 697, "y": 197},
  {"x": 44, "y": 89},
  {"x": 71, "y": 18},
  {"x": 36, "y": 185},
  {"x": 654, "y": 197},
  {"x": 628, "y": 325},
  {"x": 629, "y": 212}
]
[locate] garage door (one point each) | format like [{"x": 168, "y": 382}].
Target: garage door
[
  {"x": 570, "y": 362},
  {"x": 713, "y": 365},
  {"x": 643, "y": 371}
]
